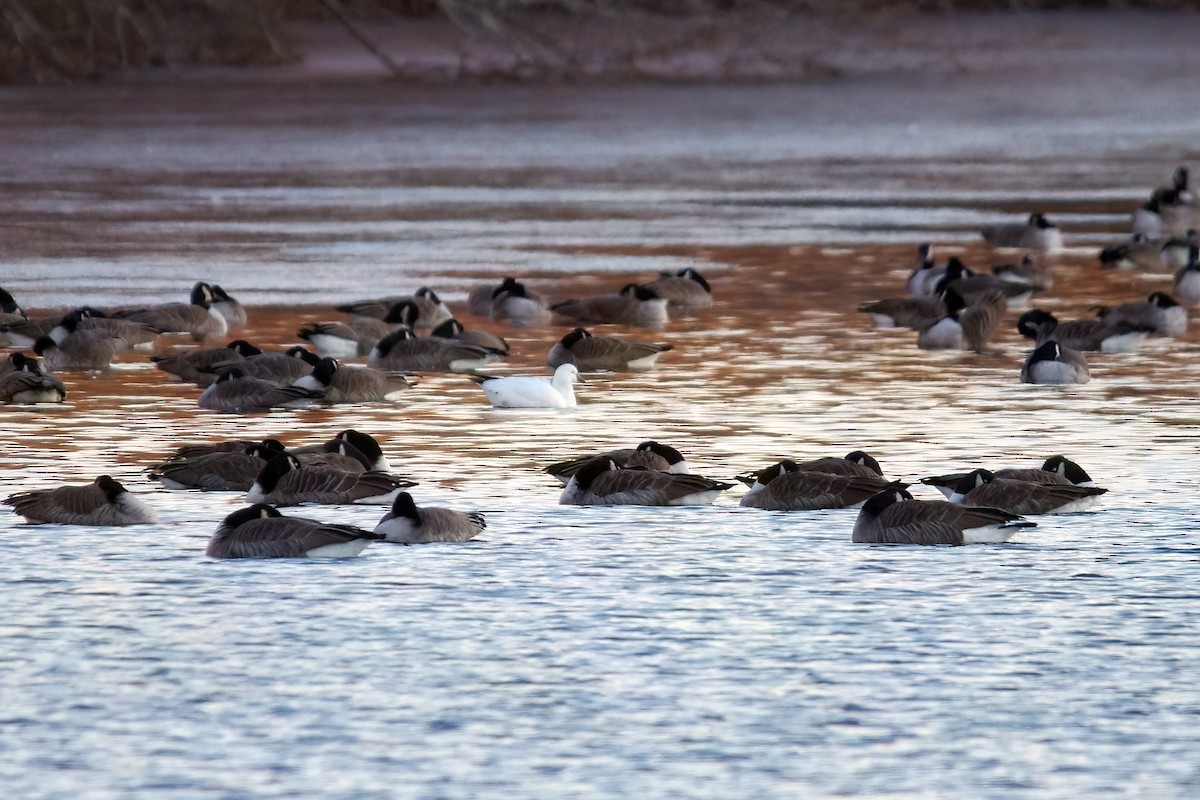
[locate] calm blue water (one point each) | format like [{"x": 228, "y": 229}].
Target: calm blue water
[{"x": 571, "y": 652}]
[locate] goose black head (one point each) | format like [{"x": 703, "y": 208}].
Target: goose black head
[
  {"x": 403, "y": 506},
  {"x": 449, "y": 329},
  {"x": 592, "y": 470},
  {"x": 668, "y": 453},
  {"x": 202, "y": 294},
  {"x": 8, "y": 305},
  {"x": 862, "y": 459},
  {"x": 324, "y": 370},
  {"x": 403, "y": 313},
  {"x": 250, "y": 514},
  {"x": 112, "y": 489},
  {"x": 973, "y": 479},
  {"x": 428, "y": 294},
  {"x": 691, "y": 274},
  {"x": 385, "y": 345},
  {"x": 575, "y": 337},
  {"x": 363, "y": 443},
  {"x": 894, "y": 492},
  {"x": 1067, "y": 468},
  {"x": 510, "y": 286}
]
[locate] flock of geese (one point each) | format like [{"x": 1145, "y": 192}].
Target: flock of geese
[
  {"x": 948, "y": 304},
  {"x": 952, "y": 307}
]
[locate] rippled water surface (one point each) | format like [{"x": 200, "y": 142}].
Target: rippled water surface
[{"x": 602, "y": 652}]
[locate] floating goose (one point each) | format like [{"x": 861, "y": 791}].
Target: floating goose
[
  {"x": 893, "y": 517},
  {"x": 1187, "y": 279},
  {"x": 1139, "y": 252},
  {"x": 136, "y": 335},
  {"x": 603, "y": 483},
  {"x": 453, "y": 330},
  {"x": 632, "y": 305},
  {"x": 982, "y": 488},
  {"x": 1026, "y": 274},
  {"x": 260, "y": 531},
  {"x": 23, "y": 382},
  {"x": 81, "y": 351},
  {"x": 340, "y": 384},
  {"x": 1084, "y": 335},
  {"x": 196, "y": 366},
  {"x": 510, "y": 302},
  {"x": 1054, "y": 363},
  {"x": 403, "y": 351},
  {"x": 197, "y": 318},
  {"x": 590, "y": 353},
  {"x": 10, "y": 311},
  {"x": 965, "y": 327},
  {"x": 430, "y": 311},
  {"x": 914, "y": 313},
  {"x": 926, "y": 274},
  {"x": 280, "y": 368},
  {"x": 408, "y": 524},
  {"x": 218, "y": 471},
  {"x": 1177, "y": 251},
  {"x": 685, "y": 291},
  {"x": 1158, "y": 311},
  {"x": 103, "y": 502},
  {"x": 649, "y": 455},
  {"x": 1038, "y": 233},
  {"x": 1056, "y": 470},
  {"x": 974, "y": 288},
  {"x": 349, "y": 339},
  {"x": 284, "y": 481},
  {"x": 237, "y": 392},
  {"x": 856, "y": 464},
  {"x": 526, "y": 391},
  {"x": 228, "y": 307},
  {"x": 785, "y": 487}
]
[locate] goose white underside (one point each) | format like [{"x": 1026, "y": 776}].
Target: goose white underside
[
  {"x": 696, "y": 499},
  {"x": 32, "y": 396},
  {"x": 1056, "y": 373},
  {"x": 333, "y": 346},
  {"x": 470, "y": 364},
  {"x": 1123, "y": 343},
  {"x": 379, "y": 499},
  {"x": 946, "y": 334},
  {"x": 1082, "y": 504},
  {"x": 883, "y": 321},
  {"x": 990, "y": 534},
  {"x": 343, "y": 550},
  {"x": 644, "y": 363}
]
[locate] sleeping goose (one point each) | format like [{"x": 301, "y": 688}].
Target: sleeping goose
[
  {"x": 228, "y": 307},
  {"x": 218, "y": 471},
  {"x": 103, "y": 502},
  {"x": 284, "y": 481},
  {"x": 453, "y": 330},
  {"x": 632, "y": 305},
  {"x": 349, "y": 339},
  {"x": 405, "y": 523},
  {"x": 685, "y": 291},
  {"x": 856, "y": 464},
  {"x": 602, "y": 482},
  {"x": 893, "y": 517},
  {"x": 1055, "y": 470},
  {"x": 196, "y": 366},
  {"x": 1037, "y": 233},
  {"x": 982, "y": 488},
  {"x": 430, "y": 311},
  {"x": 1084, "y": 335},
  {"x": 785, "y": 487},
  {"x": 649, "y": 455},
  {"x": 23, "y": 382},
  {"x": 591, "y": 353},
  {"x": 1158, "y": 311},
  {"x": 197, "y": 318},
  {"x": 260, "y": 531},
  {"x": 237, "y": 392},
  {"x": 403, "y": 351},
  {"x": 340, "y": 384}
]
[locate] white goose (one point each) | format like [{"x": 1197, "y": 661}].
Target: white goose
[{"x": 529, "y": 391}]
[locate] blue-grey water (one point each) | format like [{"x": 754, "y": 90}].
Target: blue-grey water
[{"x": 602, "y": 652}]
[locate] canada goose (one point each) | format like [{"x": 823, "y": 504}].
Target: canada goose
[
  {"x": 9, "y": 310},
  {"x": 189, "y": 451},
  {"x": 403, "y": 351},
  {"x": 527, "y": 391},
  {"x": 407, "y": 524},
  {"x": 364, "y": 447},
  {"x": 603, "y": 483},
  {"x": 632, "y": 305},
  {"x": 197, "y": 318},
  {"x": 926, "y": 274},
  {"x": 1177, "y": 251},
  {"x": 138, "y": 336},
  {"x": 893, "y": 517},
  {"x": 685, "y": 291},
  {"x": 198, "y": 366},
  {"x": 973, "y": 287},
  {"x": 237, "y": 392},
  {"x": 1055, "y": 470},
  {"x": 453, "y": 330},
  {"x": 590, "y": 353},
  {"x": 218, "y": 471},
  {"x": 102, "y": 502},
  {"x": 281, "y": 368},
  {"x": 514, "y": 304},
  {"x": 340, "y": 384},
  {"x": 1084, "y": 335},
  {"x": 23, "y": 332},
  {"x": 965, "y": 327},
  {"x": 430, "y": 310},
  {"x": 349, "y": 339},
  {"x": 856, "y": 464},
  {"x": 1025, "y": 274},
  {"x": 1038, "y": 233},
  {"x": 82, "y": 350},
  {"x": 649, "y": 455},
  {"x": 1187, "y": 279},
  {"x": 23, "y": 382},
  {"x": 228, "y": 307},
  {"x": 1170, "y": 211},
  {"x": 1137, "y": 252},
  {"x": 260, "y": 531},
  {"x": 284, "y": 481},
  {"x": 1158, "y": 311},
  {"x": 1053, "y": 363},
  {"x": 914, "y": 313},
  {"x": 784, "y": 487},
  {"x": 982, "y": 488}
]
